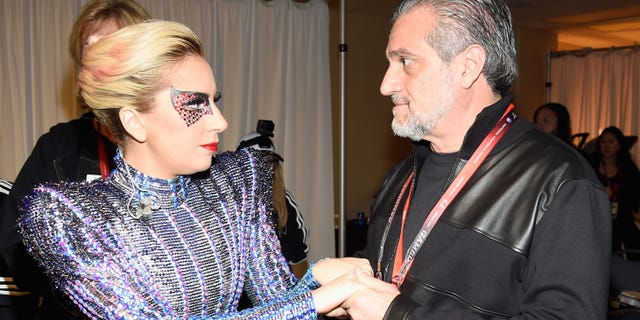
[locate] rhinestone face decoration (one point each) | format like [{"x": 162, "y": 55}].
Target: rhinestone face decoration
[{"x": 191, "y": 105}]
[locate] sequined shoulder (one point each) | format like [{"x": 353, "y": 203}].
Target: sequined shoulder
[
  {"x": 246, "y": 162},
  {"x": 56, "y": 210},
  {"x": 88, "y": 194},
  {"x": 245, "y": 170}
]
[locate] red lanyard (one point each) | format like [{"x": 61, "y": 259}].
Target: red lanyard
[
  {"x": 104, "y": 162},
  {"x": 102, "y": 153},
  {"x": 397, "y": 261},
  {"x": 401, "y": 270}
]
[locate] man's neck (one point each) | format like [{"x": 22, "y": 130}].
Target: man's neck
[{"x": 452, "y": 128}]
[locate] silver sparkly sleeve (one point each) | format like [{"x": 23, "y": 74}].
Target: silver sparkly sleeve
[
  {"x": 268, "y": 273},
  {"x": 270, "y": 283},
  {"x": 84, "y": 259}
]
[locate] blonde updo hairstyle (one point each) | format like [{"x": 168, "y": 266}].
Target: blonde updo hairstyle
[
  {"x": 97, "y": 13},
  {"x": 130, "y": 66}
]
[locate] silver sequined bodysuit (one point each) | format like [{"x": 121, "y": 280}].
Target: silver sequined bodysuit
[{"x": 206, "y": 237}]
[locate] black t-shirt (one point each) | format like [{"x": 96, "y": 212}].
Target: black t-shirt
[{"x": 430, "y": 185}]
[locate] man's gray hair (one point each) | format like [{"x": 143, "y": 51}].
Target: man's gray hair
[{"x": 462, "y": 23}]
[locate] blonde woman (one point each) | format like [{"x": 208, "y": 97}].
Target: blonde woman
[
  {"x": 76, "y": 150},
  {"x": 170, "y": 233}
]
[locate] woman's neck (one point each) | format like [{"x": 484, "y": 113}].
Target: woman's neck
[
  {"x": 609, "y": 160},
  {"x": 608, "y": 166},
  {"x": 141, "y": 160}
]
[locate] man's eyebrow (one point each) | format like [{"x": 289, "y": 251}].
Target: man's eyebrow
[{"x": 399, "y": 52}]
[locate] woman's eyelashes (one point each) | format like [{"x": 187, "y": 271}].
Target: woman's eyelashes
[{"x": 191, "y": 105}]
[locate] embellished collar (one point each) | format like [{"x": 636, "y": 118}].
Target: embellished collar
[{"x": 147, "y": 194}]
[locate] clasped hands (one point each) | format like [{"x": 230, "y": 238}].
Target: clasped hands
[{"x": 348, "y": 289}]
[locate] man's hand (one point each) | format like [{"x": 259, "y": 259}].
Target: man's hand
[
  {"x": 330, "y": 296},
  {"x": 326, "y": 270},
  {"x": 371, "y": 302}
]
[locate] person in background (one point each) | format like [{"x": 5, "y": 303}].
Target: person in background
[
  {"x": 616, "y": 171},
  {"x": 489, "y": 218},
  {"x": 625, "y": 263},
  {"x": 554, "y": 118},
  {"x": 174, "y": 231},
  {"x": 289, "y": 222},
  {"x": 626, "y": 233},
  {"x": 78, "y": 150},
  {"x": 5, "y": 187},
  {"x": 15, "y": 303}
]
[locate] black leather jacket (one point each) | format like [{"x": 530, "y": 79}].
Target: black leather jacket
[{"x": 527, "y": 237}]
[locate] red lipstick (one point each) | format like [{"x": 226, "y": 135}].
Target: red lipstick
[{"x": 213, "y": 147}]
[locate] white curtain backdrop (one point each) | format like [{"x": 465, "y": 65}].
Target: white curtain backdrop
[
  {"x": 600, "y": 89},
  {"x": 270, "y": 60}
]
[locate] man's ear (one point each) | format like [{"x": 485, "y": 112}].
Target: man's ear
[
  {"x": 474, "y": 59},
  {"x": 134, "y": 123}
]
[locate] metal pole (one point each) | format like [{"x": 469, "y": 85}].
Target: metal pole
[
  {"x": 343, "y": 50},
  {"x": 548, "y": 83}
]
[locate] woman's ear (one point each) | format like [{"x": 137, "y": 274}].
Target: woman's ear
[
  {"x": 134, "y": 123},
  {"x": 474, "y": 59}
]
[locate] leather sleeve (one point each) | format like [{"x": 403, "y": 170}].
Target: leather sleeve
[{"x": 400, "y": 308}]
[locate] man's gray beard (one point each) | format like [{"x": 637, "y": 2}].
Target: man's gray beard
[{"x": 417, "y": 126}]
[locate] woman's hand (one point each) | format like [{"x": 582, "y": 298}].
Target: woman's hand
[{"x": 328, "y": 269}]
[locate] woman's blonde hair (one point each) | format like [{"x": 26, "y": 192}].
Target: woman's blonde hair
[
  {"x": 94, "y": 15},
  {"x": 129, "y": 67},
  {"x": 278, "y": 193}
]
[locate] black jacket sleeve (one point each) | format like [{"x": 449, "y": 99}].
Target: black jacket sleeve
[
  {"x": 571, "y": 245},
  {"x": 53, "y": 158}
]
